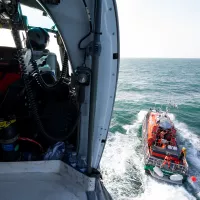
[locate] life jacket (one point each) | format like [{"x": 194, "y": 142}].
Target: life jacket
[
  {"x": 159, "y": 142},
  {"x": 177, "y": 162},
  {"x": 168, "y": 158},
  {"x": 183, "y": 154}
]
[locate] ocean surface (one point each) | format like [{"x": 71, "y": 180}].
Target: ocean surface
[{"x": 144, "y": 84}]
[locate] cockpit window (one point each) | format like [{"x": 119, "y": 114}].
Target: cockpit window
[{"x": 37, "y": 19}]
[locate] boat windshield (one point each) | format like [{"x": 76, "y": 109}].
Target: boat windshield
[
  {"x": 35, "y": 18},
  {"x": 165, "y": 123}
]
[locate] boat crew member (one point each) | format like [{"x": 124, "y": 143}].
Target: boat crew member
[
  {"x": 173, "y": 141},
  {"x": 159, "y": 142},
  {"x": 182, "y": 156},
  {"x": 162, "y": 134},
  {"x": 168, "y": 136},
  {"x": 167, "y": 161}
]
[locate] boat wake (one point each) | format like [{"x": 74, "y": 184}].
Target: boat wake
[{"x": 122, "y": 165}]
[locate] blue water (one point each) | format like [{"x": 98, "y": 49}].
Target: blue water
[{"x": 144, "y": 84}]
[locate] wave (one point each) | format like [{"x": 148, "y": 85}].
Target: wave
[
  {"x": 155, "y": 190},
  {"x": 123, "y": 170}
]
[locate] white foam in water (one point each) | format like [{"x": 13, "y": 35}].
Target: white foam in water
[
  {"x": 128, "y": 96},
  {"x": 123, "y": 170},
  {"x": 155, "y": 190},
  {"x": 192, "y": 141}
]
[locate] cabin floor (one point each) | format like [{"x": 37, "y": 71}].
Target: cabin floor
[
  {"x": 49, "y": 186},
  {"x": 42, "y": 180}
]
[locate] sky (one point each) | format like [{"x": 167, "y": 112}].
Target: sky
[
  {"x": 159, "y": 28},
  {"x": 148, "y": 28}
]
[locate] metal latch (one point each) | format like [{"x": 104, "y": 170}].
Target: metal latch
[{"x": 94, "y": 49}]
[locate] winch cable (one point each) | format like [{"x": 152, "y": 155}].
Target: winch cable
[{"x": 16, "y": 19}]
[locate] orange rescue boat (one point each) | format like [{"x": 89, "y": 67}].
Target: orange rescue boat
[{"x": 162, "y": 154}]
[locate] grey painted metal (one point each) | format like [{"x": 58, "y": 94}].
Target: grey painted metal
[
  {"x": 83, "y": 182},
  {"x": 43, "y": 180},
  {"x": 94, "y": 81},
  {"x": 107, "y": 78},
  {"x": 72, "y": 22},
  {"x": 48, "y": 180},
  {"x": 100, "y": 193},
  {"x": 84, "y": 125}
]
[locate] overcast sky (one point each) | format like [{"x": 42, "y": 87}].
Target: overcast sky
[{"x": 159, "y": 28}]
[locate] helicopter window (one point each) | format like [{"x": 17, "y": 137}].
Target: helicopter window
[
  {"x": 6, "y": 38},
  {"x": 37, "y": 19}
]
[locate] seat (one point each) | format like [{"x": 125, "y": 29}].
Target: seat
[
  {"x": 50, "y": 59},
  {"x": 9, "y": 67},
  {"x": 10, "y": 77}
]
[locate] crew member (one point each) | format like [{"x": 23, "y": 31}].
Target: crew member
[
  {"x": 173, "y": 141},
  {"x": 38, "y": 40},
  {"x": 167, "y": 161},
  {"x": 162, "y": 134},
  {"x": 182, "y": 156}
]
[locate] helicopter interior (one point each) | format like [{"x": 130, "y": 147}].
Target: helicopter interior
[{"x": 39, "y": 101}]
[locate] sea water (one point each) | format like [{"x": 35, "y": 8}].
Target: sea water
[{"x": 144, "y": 84}]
